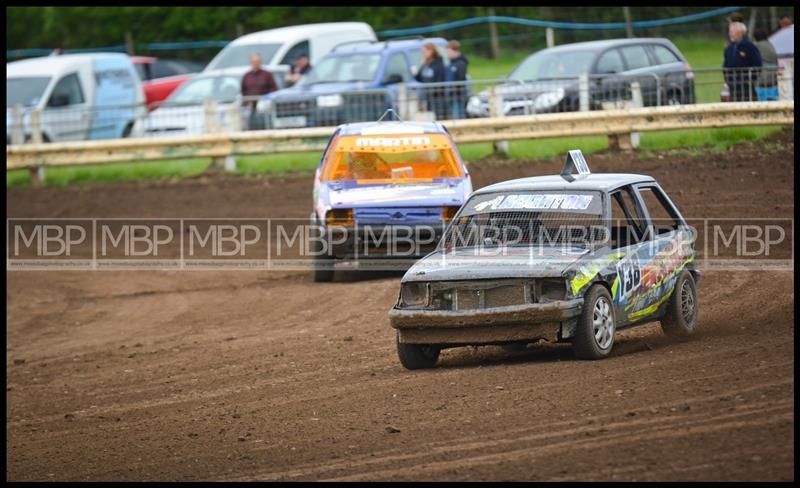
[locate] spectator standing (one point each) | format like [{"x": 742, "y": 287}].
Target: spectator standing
[
  {"x": 742, "y": 64},
  {"x": 784, "y": 22},
  {"x": 457, "y": 72},
  {"x": 767, "y": 86},
  {"x": 256, "y": 82},
  {"x": 300, "y": 66},
  {"x": 432, "y": 71},
  {"x": 732, "y": 17}
]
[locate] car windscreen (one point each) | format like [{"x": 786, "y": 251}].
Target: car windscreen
[
  {"x": 234, "y": 56},
  {"x": 395, "y": 159},
  {"x": 25, "y": 91},
  {"x": 528, "y": 218},
  {"x": 549, "y": 65},
  {"x": 343, "y": 69},
  {"x": 217, "y": 88}
]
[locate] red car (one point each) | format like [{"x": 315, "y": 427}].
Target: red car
[{"x": 160, "y": 77}]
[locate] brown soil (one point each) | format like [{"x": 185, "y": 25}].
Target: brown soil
[{"x": 146, "y": 375}]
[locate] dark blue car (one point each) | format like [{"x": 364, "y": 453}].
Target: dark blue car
[{"x": 356, "y": 82}]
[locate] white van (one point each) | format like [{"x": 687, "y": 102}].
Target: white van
[
  {"x": 79, "y": 96},
  {"x": 283, "y": 45}
]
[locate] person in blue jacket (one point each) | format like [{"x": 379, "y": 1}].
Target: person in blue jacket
[
  {"x": 742, "y": 64},
  {"x": 457, "y": 72},
  {"x": 433, "y": 71}
]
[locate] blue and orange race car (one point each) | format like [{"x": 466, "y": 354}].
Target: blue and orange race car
[{"x": 384, "y": 190}]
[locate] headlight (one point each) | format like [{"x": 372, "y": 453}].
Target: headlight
[
  {"x": 548, "y": 99},
  {"x": 329, "y": 100},
  {"x": 414, "y": 294},
  {"x": 264, "y": 105}
]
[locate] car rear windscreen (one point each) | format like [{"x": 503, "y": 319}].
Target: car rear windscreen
[{"x": 395, "y": 159}]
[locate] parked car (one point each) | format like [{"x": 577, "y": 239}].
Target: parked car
[
  {"x": 283, "y": 45},
  {"x": 79, "y": 96},
  {"x": 356, "y": 82},
  {"x": 379, "y": 179},
  {"x": 183, "y": 112},
  {"x": 160, "y": 77},
  {"x": 562, "y": 258},
  {"x": 547, "y": 81}
]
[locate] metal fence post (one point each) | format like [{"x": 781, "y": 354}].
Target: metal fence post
[
  {"x": 583, "y": 92},
  {"x": 36, "y": 126},
  {"x": 212, "y": 126},
  {"x": 402, "y": 101},
  {"x": 638, "y": 102},
  {"x": 496, "y": 110},
  {"x": 235, "y": 123},
  {"x": 37, "y": 173},
  {"x": 17, "y": 134}
]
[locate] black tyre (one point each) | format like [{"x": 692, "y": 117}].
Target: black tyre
[
  {"x": 680, "y": 319},
  {"x": 417, "y": 356},
  {"x": 594, "y": 336},
  {"x": 674, "y": 97},
  {"x": 323, "y": 264}
]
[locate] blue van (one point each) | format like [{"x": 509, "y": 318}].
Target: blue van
[{"x": 356, "y": 82}]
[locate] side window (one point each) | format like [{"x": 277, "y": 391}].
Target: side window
[
  {"x": 635, "y": 57},
  {"x": 663, "y": 55},
  {"x": 397, "y": 65},
  {"x": 301, "y": 48},
  {"x": 66, "y": 92},
  {"x": 662, "y": 216},
  {"x": 626, "y": 223},
  {"x": 610, "y": 62},
  {"x": 415, "y": 56}
]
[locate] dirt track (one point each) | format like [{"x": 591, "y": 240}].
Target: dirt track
[{"x": 245, "y": 375}]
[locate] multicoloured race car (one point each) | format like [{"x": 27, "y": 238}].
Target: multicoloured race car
[
  {"x": 386, "y": 190},
  {"x": 570, "y": 258}
]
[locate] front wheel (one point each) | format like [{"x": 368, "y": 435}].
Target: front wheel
[
  {"x": 417, "y": 356},
  {"x": 594, "y": 336},
  {"x": 680, "y": 319}
]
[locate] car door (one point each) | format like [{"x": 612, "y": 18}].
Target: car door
[
  {"x": 627, "y": 238},
  {"x": 67, "y": 114},
  {"x": 608, "y": 81},
  {"x": 672, "y": 71},
  {"x": 395, "y": 71},
  {"x": 664, "y": 250},
  {"x": 639, "y": 67}
]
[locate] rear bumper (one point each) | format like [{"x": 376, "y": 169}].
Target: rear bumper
[
  {"x": 386, "y": 241},
  {"x": 485, "y": 326}
]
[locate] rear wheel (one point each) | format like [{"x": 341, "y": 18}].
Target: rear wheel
[
  {"x": 594, "y": 336},
  {"x": 680, "y": 319},
  {"x": 417, "y": 356}
]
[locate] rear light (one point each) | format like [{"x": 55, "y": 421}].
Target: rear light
[
  {"x": 448, "y": 213},
  {"x": 687, "y": 68},
  {"x": 342, "y": 217}
]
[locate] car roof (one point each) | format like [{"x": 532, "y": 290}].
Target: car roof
[
  {"x": 603, "y": 182},
  {"x": 391, "y": 127},
  {"x": 390, "y": 45},
  {"x": 288, "y": 34},
  {"x": 53, "y": 65},
  {"x": 607, "y": 43}
]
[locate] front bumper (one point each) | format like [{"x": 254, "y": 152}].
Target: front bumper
[{"x": 486, "y": 326}]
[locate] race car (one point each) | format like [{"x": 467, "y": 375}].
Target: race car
[
  {"x": 565, "y": 258},
  {"x": 384, "y": 190}
]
